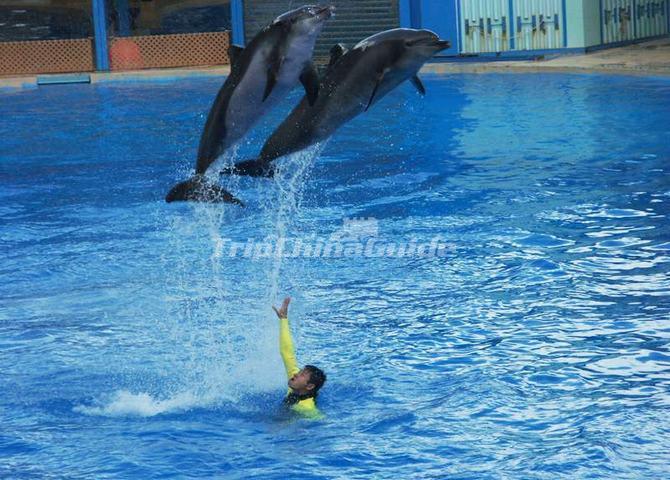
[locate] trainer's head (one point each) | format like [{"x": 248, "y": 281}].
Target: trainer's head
[{"x": 307, "y": 381}]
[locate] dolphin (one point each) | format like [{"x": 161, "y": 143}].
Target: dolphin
[
  {"x": 354, "y": 81},
  {"x": 261, "y": 74}
]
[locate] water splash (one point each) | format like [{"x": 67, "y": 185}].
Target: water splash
[
  {"x": 209, "y": 338},
  {"x": 216, "y": 339},
  {"x": 284, "y": 211},
  {"x": 124, "y": 403}
]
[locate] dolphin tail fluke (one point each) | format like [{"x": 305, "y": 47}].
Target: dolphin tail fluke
[
  {"x": 198, "y": 189},
  {"x": 252, "y": 168}
]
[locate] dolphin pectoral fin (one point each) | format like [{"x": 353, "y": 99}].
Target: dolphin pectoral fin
[
  {"x": 270, "y": 84},
  {"x": 234, "y": 52},
  {"x": 374, "y": 91},
  {"x": 273, "y": 73},
  {"x": 310, "y": 80},
  {"x": 416, "y": 81}
]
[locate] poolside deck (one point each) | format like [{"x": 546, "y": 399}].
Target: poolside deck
[{"x": 647, "y": 58}]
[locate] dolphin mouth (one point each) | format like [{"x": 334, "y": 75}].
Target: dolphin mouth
[
  {"x": 442, "y": 44},
  {"x": 325, "y": 11},
  {"x": 431, "y": 42}
]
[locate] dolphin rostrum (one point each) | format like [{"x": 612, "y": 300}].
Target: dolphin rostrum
[
  {"x": 354, "y": 81},
  {"x": 261, "y": 74}
]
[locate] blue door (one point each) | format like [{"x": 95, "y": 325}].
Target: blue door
[{"x": 442, "y": 18}]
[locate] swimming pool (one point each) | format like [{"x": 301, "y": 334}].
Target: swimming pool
[{"x": 136, "y": 344}]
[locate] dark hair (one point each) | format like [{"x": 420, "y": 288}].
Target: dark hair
[{"x": 316, "y": 377}]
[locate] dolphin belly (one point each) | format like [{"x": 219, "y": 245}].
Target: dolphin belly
[{"x": 246, "y": 104}]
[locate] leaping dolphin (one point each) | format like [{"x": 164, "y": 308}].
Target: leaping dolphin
[
  {"x": 261, "y": 74},
  {"x": 355, "y": 80}
]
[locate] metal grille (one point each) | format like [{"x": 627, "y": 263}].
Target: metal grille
[
  {"x": 161, "y": 51},
  {"x": 650, "y": 18},
  {"x": 501, "y": 25},
  {"x": 46, "y": 56},
  {"x": 616, "y": 19},
  {"x": 538, "y": 24},
  {"x": 486, "y": 26},
  {"x": 354, "y": 20},
  {"x": 624, "y": 20}
]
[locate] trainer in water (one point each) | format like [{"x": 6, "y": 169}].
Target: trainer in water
[
  {"x": 303, "y": 384},
  {"x": 354, "y": 81},
  {"x": 261, "y": 74}
]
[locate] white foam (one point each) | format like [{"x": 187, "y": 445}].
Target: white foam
[{"x": 125, "y": 403}]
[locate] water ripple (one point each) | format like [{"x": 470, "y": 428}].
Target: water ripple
[{"x": 537, "y": 347}]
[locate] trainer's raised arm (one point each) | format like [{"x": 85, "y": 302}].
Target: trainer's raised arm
[{"x": 303, "y": 384}]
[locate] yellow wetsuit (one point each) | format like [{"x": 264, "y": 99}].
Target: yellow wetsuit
[{"x": 305, "y": 407}]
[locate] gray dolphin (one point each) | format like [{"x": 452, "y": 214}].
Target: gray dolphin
[
  {"x": 261, "y": 74},
  {"x": 354, "y": 81}
]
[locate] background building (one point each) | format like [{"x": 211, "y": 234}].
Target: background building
[{"x": 48, "y": 36}]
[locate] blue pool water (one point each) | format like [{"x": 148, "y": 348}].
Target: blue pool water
[{"x": 534, "y": 344}]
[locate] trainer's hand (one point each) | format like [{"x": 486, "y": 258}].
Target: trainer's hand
[{"x": 282, "y": 312}]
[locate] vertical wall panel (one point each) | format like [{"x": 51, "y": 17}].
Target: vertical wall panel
[
  {"x": 551, "y": 24},
  {"x": 485, "y": 26},
  {"x": 500, "y": 25},
  {"x": 650, "y": 17},
  {"x": 538, "y": 24},
  {"x": 617, "y": 21}
]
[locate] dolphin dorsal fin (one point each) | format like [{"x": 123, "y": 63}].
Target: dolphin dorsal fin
[
  {"x": 234, "y": 52},
  {"x": 336, "y": 52}
]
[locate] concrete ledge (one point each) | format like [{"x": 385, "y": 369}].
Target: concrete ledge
[
  {"x": 539, "y": 67},
  {"x": 12, "y": 83},
  {"x": 155, "y": 75},
  {"x": 648, "y": 58},
  {"x": 167, "y": 74}
]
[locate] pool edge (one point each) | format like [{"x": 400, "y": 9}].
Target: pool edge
[
  {"x": 154, "y": 75},
  {"x": 582, "y": 64}
]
